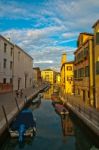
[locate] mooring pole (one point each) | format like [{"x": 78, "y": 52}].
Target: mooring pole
[
  {"x": 17, "y": 104},
  {"x": 5, "y": 116}
]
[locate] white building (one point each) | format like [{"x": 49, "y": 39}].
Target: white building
[
  {"x": 6, "y": 64},
  {"x": 34, "y": 75},
  {"x": 15, "y": 67},
  {"x": 22, "y": 74}
]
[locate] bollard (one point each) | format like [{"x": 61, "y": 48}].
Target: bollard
[
  {"x": 25, "y": 100},
  {"x": 5, "y": 116},
  {"x": 17, "y": 104}
]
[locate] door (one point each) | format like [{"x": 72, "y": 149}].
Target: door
[{"x": 84, "y": 95}]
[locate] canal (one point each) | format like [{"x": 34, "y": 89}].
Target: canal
[{"x": 50, "y": 134}]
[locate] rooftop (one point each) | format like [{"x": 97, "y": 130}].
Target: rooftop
[{"x": 95, "y": 23}]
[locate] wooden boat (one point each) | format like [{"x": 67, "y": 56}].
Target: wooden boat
[
  {"x": 60, "y": 109},
  {"x": 54, "y": 97},
  {"x": 23, "y": 125},
  {"x": 37, "y": 100},
  {"x": 41, "y": 95},
  {"x": 57, "y": 102}
]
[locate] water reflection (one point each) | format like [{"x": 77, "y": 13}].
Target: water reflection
[
  {"x": 13, "y": 144},
  {"x": 67, "y": 126},
  {"x": 47, "y": 94},
  {"x": 53, "y": 131}
]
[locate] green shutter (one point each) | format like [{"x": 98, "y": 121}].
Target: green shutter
[
  {"x": 97, "y": 38},
  {"x": 97, "y": 67}
]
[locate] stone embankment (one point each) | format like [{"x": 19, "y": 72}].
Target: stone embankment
[{"x": 89, "y": 115}]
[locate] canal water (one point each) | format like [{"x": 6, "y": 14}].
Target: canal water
[{"x": 50, "y": 134}]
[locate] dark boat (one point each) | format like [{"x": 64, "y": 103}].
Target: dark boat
[
  {"x": 60, "y": 109},
  {"x": 23, "y": 125}
]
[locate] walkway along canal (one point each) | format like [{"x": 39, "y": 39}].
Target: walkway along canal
[{"x": 50, "y": 134}]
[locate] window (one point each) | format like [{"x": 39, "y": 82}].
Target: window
[
  {"x": 11, "y": 51},
  {"x": 11, "y": 64},
  {"x": 87, "y": 71},
  {"x": 78, "y": 91},
  {"x": 75, "y": 58},
  {"x": 82, "y": 72},
  {"x": 18, "y": 55},
  {"x": 78, "y": 73},
  {"x": 97, "y": 67},
  {"x": 69, "y": 68},
  {"x": 4, "y": 63},
  {"x": 80, "y": 56},
  {"x": 11, "y": 80},
  {"x": 5, "y": 47},
  {"x": 97, "y": 38},
  {"x": 4, "y": 81},
  {"x": 69, "y": 79},
  {"x": 86, "y": 52},
  {"x": 75, "y": 73}
]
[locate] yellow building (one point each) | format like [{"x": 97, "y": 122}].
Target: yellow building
[
  {"x": 96, "y": 63},
  {"x": 83, "y": 68},
  {"x": 66, "y": 76},
  {"x": 48, "y": 75},
  {"x": 58, "y": 78}
]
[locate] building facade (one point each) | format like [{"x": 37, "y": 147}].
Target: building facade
[
  {"x": 22, "y": 74},
  {"x": 83, "y": 68},
  {"x": 96, "y": 63},
  {"x": 48, "y": 75},
  {"x": 58, "y": 78},
  {"x": 66, "y": 76},
  {"x": 37, "y": 75},
  {"x": 6, "y": 64},
  {"x": 86, "y": 67},
  {"x": 15, "y": 67}
]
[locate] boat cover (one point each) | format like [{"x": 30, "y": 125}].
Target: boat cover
[
  {"x": 60, "y": 108},
  {"x": 24, "y": 117}
]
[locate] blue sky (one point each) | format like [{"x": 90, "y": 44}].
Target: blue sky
[{"x": 47, "y": 28}]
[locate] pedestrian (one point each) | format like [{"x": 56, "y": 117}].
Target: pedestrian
[
  {"x": 17, "y": 93},
  {"x": 25, "y": 100},
  {"x": 21, "y": 93}
]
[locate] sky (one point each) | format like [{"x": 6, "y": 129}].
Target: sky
[{"x": 47, "y": 28}]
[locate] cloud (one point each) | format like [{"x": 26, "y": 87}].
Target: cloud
[
  {"x": 67, "y": 41},
  {"x": 33, "y": 34},
  {"x": 70, "y": 34},
  {"x": 44, "y": 62},
  {"x": 54, "y": 23}
]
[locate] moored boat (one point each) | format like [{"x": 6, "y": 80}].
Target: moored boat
[
  {"x": 37, "y": 100},
  {"x": 40, "y": 95},
  {"x": 23, "y": 125},
  {"x": 54, "y": 97},
  {"x": 61, "y": 109}
]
